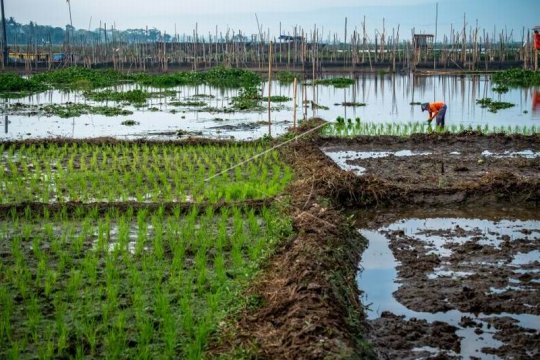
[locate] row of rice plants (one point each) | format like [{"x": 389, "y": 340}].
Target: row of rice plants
[
  {"x": 139, "y": 172},
  {"x": 359, "y": 128},
  {"x": 126, "y": 284}
]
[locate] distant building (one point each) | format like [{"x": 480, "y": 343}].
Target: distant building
[{"x": 423, "y": 41}]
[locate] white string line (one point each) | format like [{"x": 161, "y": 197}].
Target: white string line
[{"x": 264, "y": 152}]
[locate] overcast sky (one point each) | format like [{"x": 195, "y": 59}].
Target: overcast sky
[{"x": 327, "y": 15}]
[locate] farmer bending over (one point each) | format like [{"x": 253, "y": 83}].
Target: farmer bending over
[{"x": 435, "y": 109}]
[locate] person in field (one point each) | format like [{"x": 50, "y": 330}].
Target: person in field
[{"x": 436, "y": 109}]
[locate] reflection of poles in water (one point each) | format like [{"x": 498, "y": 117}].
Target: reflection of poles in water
[
  {"x": 6, "y": 122},
  {"x": 394, "y": 98},
  {"x": 295, "y": 90}
]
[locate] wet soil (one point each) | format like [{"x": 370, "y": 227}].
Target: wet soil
[
  {"x": 308, "y": 298},
  {"x": 457, "y": 168},
  {"x": 481, "y": 274}
]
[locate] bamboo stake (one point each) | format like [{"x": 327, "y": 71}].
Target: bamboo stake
[
  {"x": 269, "y": 89},
  {"x": 295, "y": 91}
]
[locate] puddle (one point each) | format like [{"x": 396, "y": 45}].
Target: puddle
[
  {"x": 529, "y": 154},
  {"x": 344, "y": 159},
  {"x": 434, "y": 260}
]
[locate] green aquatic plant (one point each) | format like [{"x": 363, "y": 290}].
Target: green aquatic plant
[
  {"x": 130, "y": 96},
  {"x": 76, "y": 77},
  {"x": 517, "y": 77},
  {"x": 493, "y": 106},
  {"x": 353, "y": 104},
  {"x": 287, "y": 77},
  {"x": 337, "y": 82},
  {"x": 276, "y": 98},
  {"x": 188, "y": 103},
  {"x": 13, "y": 85},
  {"x": 248, "y": 98}
]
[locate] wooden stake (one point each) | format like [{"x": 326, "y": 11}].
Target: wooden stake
[
  {"x": 269, "y": 89},
  {"x": 295, "y": 90}
]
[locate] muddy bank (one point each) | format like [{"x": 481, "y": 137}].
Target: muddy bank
[
  {"x": 307, "y": 294},
  {"x": 309, "y": 304}
]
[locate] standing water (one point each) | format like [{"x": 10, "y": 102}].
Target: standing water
[
  {"x": 504, "y": 267},
  {"x": 377, "y": 98}
]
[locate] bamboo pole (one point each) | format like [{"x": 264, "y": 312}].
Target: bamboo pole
[
  {"x": 295, "y": 91},
  {"x": 269, "y": 89}
]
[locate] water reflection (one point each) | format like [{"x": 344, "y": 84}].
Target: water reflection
[{"x": 388, "y": 98}]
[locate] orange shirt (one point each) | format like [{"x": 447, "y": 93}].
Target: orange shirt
[
  {"x": 434, "y": 108},
  {"x": 537, "y": 41}
]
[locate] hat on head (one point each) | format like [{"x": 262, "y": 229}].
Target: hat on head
[{"x": 424, "y": 106}]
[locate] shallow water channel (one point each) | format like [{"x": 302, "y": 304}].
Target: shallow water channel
[
  {"x": 419, "y": 267},
  {"x": 379, "y": 98}
]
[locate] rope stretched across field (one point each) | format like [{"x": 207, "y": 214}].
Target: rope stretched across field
[{"x": 264, "y": 152}]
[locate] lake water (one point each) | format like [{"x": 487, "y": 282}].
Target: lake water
[{"x": 387, "y": 99}]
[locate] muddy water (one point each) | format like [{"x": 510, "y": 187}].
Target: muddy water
[
  {"x": 386, "y": 99},
  {"x": 415, "y": 270}
]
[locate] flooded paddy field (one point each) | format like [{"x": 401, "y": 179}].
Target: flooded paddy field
[
  {"x": 439, "y": 166},
  {"x": 453, "y": 283},
  {"x": 207, "y": 111}
]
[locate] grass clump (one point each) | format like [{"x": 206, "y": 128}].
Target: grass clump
[{"x": 493, "y": 106}]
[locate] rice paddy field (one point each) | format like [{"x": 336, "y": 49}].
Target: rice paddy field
[
  {"x": 103, "y": 269},
  {"x": 176, "y": 238}
]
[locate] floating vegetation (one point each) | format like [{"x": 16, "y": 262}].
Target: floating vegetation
[
  {"x": 67, "y": 110},
  {"x": 287, "y": 77},
  {"x": 350, "y": 128},
  {"x": 76, "y": 77},
  {"x": 501, "y": 89},
  {"x": 493, "y": 106},
  {"x": 205, "y": 96},
  {"x": 276, "y": 98},
  {"x": 192, "y": 103},
  {"x": 337, "y": 82},
  {"x": 517, "y": 78},
  {"x": 218, "y": 76},
  {"x": 248, "y": 98},
  {"x": 130, "y": 96},
  {"x": 13, "y": 85},
  {"x": 352, "y": 104},
  {"x": 129, "y": 123}
]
